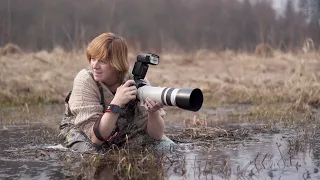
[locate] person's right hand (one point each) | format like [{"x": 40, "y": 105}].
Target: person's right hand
[{"x": 125, "y": 93}]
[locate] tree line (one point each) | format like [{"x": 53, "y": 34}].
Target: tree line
[{"x": 186, "y": 25}]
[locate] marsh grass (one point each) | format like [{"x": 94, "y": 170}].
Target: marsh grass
[
  {"x": 285, "y": 80},
  {"x": 126, "y": 163},
  {"x": 224, "y": 77},
  {"x": 302, "y": 142},
  {"x": 282, "y": 88},
  {"x": 120, "y": 164},
  {"x": 117, "y": 163}
]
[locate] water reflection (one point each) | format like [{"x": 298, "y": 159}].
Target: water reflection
[
  {"x": 30, "y": 169},
  {"x": 286, "y": 155},
  {"x": 268, "y": 156},
  {"x": 315, "y": 144},
  {"x": 271, "y": 157},
  {"x": 18, "y": 153}
]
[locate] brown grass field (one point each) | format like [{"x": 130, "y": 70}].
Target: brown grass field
[
  {"x": 286, "y": 80},
  {"x": 284, "y": 86}
]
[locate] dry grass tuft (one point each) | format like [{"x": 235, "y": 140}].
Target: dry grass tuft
[
  {"x": 10, "y": 49},
  {"x": 264, "y": 50}
]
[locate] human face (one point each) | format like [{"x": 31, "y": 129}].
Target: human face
[{"x": 104, "y": 72}]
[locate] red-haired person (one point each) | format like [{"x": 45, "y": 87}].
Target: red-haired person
[{"x": 102, "y": 109}]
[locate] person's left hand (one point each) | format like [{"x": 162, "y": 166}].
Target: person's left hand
[{"x": 152, "y": 106}]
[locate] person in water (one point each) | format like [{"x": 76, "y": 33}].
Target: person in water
[{"x": 102, "y": 109}]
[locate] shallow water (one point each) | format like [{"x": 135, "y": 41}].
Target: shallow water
[
  {"x": 25, "y": 154},
  {"x": 266, "y": 158}
]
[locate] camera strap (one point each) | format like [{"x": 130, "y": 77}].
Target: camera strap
[
  {"x": 96, "y": 124},
  {"x": 100, "y": 90}
]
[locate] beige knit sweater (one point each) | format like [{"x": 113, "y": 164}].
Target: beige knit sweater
[{"x": 85, "y": 105}]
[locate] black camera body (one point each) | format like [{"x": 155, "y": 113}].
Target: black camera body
[{"x": 141, "y": 66}]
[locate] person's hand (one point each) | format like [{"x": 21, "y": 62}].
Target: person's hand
[
  {"x": 152, "y": 106},
  {"x": 125, "y": 93}
]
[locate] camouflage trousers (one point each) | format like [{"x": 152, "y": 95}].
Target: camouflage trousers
[{"x": 76, "y": 140}]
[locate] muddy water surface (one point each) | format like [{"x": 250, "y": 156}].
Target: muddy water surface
[{"x": 29, "y": 148}]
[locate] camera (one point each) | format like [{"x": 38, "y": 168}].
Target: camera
[
  {"x": 184, "y": 98},
  {"x": 141, "y": 66}
]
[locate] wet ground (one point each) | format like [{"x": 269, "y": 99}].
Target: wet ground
[{"x": 221, "y": 147}]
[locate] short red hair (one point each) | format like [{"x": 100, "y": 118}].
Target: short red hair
[{"x": 110, "y": 47}]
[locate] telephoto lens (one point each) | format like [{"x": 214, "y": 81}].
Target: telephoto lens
[{"x": 185, "y": 98}]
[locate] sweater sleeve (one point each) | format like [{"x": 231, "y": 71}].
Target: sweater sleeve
[{"x": 84, "y": 102}]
